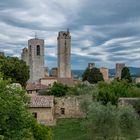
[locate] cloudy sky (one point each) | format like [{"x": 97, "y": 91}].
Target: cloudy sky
[{"x": 103, "y": 31}]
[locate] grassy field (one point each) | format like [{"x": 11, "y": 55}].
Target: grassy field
[{"x": 69, "y": 129}]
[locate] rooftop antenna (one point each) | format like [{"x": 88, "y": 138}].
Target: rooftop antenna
[{"x": 35, "y": 35}]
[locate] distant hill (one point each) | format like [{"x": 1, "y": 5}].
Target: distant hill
[{"x": 133, "y": 70}]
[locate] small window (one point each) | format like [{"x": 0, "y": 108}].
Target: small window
[
  {"x": 34, "y": 115},
  {"x": 62, "y": 111},
  {"x": 30, "y": 50},
  {"x": 38, "y": 50}
]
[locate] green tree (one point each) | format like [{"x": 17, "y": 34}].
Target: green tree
[
  {"x": 110, "y": 92},
  {"x": 92, "y": 75},
  {"x": 16, "y": 122},
  {"x": 110, "y": 122},
  {"x": 14, "y": 69},
  {"x": 125, "y": 75},
  {"x": 59, "y": 89}
]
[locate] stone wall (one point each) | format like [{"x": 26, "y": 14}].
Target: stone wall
[
  {"x": 44, "y": 115},
  {"x": 127, "y": 101},
  {"x": 68, "y": 107}
]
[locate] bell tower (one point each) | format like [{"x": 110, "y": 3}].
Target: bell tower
[{"x": 36, "y": 59}]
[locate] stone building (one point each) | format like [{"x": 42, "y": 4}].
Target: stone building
[
  {"x": 48, "y": 81},
  {"x": 91, "y": 65},
  {"x": 64, "y": 52},
  {"x": 42, "y": 107},
  {"x": 68, "y": 107},
  {"x": 105, "y": 74},
  {"x": 2, "y": 54},
  {"x": 54, "y": 72},
  {"x": 47, "y": 109},
  {"x": 119, "y": 67},
  {"x": 137, "y": 80},
  {"x": 34, "y": 57},
  {"x": 25, "y": 55},
  {"x": 34, "y": 88}
]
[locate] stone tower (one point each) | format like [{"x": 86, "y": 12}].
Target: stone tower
[
  {"x": 36, "y": 59},
  {"x": 91, "y": 65},
  {"x": 119, "y": 67},
  {"x": 64, "y": 52},
  {"x": 105, "y": 73},
  {"x": 25, "y": 55}
]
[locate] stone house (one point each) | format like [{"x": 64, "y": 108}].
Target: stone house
[
  {"x": 48, "y": 81},
  {"x": 42, "y": 107},
  {"x": 33, "y": 88},
  {"x": 47, "y": 109},
  {"x": 68, "y": 107}
]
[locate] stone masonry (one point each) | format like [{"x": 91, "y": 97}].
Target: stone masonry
[{"x": 64, "y": 50}]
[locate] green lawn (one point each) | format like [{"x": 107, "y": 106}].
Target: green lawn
[{"x": 69, "y": 129}]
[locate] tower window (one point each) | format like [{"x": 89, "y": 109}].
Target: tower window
[
  {"x": 38, "y": 50},
  {"x": 30, "y": 50}
]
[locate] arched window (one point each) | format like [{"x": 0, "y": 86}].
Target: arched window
[
  {"x": 38, "y": 50},
  {"x": 30, "y": 48}
]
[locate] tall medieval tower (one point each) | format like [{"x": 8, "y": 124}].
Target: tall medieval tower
[
  {"x": 36, "y": 59},
  {"x": 64, "y": 52}
]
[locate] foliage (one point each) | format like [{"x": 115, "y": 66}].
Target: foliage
[
  {"x": 69, "y": 129},
  {"x": 92, "y": 75},
  {"x": 110, "y": 122},
  {"x": 111, "y": 92},
  {"x": 44, "y": 92},
  {"x": 137, "y": 106},
  {"x": 125, "y": 75},
  {"x": 14, "y": 69},
  {"x": 16, "y": 122},
  {"x": 41, "y": 132},
  {"x": 82, "y": 89},
  {"x": 59, "y": 89}
]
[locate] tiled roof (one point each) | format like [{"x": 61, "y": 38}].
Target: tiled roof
[
  {"x": 31, "y": 86},
  {"x": 42, "y": 101},
  {"x": 48, "y": 78}
]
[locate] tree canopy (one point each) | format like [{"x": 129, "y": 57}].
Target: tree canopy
[
  {"x": 110, "y": 92},
  {"x": 16, "y": 122},
  {"x": 125, "y": 75},
  {"x": 14, "y": 69},
  {"x": 110, "y": 122},
  {"x": 92, "y": 75}
]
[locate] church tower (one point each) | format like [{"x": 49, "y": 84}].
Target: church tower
[
  {"x": 64, "y": 52},
  {"x": 36, "y": 59}
]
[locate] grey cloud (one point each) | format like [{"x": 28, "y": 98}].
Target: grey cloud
[{"x": 98, "y": 29}]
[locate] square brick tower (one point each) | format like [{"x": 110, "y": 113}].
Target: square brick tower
[{"x": 64, "y": 54}]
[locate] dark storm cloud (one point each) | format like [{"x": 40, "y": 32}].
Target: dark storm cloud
[{"x": 104, "y": 32}]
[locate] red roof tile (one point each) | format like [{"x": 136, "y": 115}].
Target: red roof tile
[{"x": 42, "y": 101}]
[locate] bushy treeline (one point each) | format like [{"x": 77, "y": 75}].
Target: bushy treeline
[
  {"x": 109, "y": 122},
  {"x": 14, "y": 69},
  {"x": 110, "y": 92},
  {"x": 16, "y": 122}
]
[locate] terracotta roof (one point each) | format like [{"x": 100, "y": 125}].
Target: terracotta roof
[
  {"x": 31, "y": 86},
  {"x": 48, "y": 78},
  {"x": 42, "y": 101}
]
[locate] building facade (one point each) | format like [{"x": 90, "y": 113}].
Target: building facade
[
  {"x": 64, "y": 52},
  {"x": 2, "y": 54},
  {"x": 119, "y": 67},
  {"x": 105, "y": 74}
]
